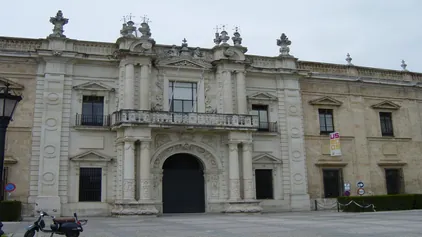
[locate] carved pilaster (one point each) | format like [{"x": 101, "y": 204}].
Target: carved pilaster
[
  {"x": 234, "y": 183},
  {"x": 129, "y": 170},
  {"x": 145, "y": 171},
  {"x": 247, "y": 171}
]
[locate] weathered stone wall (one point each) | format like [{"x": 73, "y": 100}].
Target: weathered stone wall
[
  {"x": 21, "y": 72},
  {"x": 365, "y": 153}
]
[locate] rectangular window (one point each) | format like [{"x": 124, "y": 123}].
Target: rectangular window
[
  {"x": 264, "y": 184},
  {"x": 326, "y": 122},
  {"x": 262, "y": 112},
  {"x": 90, "y": 184},
  {"x": 386, "y": 124},
  {"x": 92, "y": 111},
  {"x": 183, "y": 97},
  {"x": 394, "y": 181},
  {"x": 3, "y": 184},
  {"x": 333, "y": 182}
]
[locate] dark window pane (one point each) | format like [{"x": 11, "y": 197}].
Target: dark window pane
[
  {"x": 90, "y": 184},
  {"x": 332, "y": 183},
  {"x": 93, "y": 111},
  {"x": 264, "y": 184},
  {"x": 326, "y": 123}
]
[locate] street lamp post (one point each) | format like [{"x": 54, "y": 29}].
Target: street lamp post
[{"x": 8, "y": 104}]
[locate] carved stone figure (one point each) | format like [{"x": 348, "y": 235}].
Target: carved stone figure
[
  {"x": 173, "y": 52},
  {"x": 184, "y": 51},
  {"x": 58, "y": 21},
  {"x": 197, "y": 53}
]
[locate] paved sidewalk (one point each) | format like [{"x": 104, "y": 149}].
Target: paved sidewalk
[{"x": 308, "y": 224}]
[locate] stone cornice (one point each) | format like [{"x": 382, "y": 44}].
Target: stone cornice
[{"x": 258, "y": 63}]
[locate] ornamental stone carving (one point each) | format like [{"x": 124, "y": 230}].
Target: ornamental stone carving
[
  {"x": 284, "y": 43},
  {"x": 58, "y": 21},
  {"x": 200, "y": 151}
]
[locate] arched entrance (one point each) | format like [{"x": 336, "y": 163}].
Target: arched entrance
[{"x": 183, "y": 184}]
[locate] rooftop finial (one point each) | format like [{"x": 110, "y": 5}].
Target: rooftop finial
[
  {"x": 349, "y": 59},
  {"x": 284, "y": 43},
  {"x": 237, "y": 40},
  {"x": 58, "y": 21},
  {"x": 184, "y": 51},
  {"x": 403, "y": 65},
  {"x": 144, "y": 29},
  {"x": 217, "y": 39},
  {"x": 128, "y": 27},
  {"x": 224, "y": 35},
  {"x": 145, "y": 19}
]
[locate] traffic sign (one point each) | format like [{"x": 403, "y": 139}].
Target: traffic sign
[
  {"x": 347, "y": 187},
  {"x": 347, "y": 193},
  {"x": 360, "y": 184},
  {"x": 361, "y": 191},
  {"x": 10, "y": 187}
]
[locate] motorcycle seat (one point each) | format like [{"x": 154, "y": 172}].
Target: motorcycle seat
[{"x": 64, "y": 219}]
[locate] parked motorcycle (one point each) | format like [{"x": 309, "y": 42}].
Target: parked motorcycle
[{"x": 68, "y": 226}]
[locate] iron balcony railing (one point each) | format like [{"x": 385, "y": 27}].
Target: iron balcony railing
[
  {"x": 184, "y": 119},
  {"x": 92, "y": 120},
  {"x": 268, "y": 127}
]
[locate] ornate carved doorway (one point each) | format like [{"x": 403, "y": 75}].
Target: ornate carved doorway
[{"x": 183, "y": 184}]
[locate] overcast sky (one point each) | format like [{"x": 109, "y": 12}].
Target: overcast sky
[{"x": 376, "y": 33}]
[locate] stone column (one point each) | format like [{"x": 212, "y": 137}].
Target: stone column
[
  {"x": 129, "y": 86},
  {"x": 234, "y": 183},
  {"x": 144, "y": 88},
  {"x": 248, "y": 189},
  {"x": 129, "y": 171},
  {"x": 227, "y": 93},
  {"x": 241, "y": 93},
  {"x": 145, "y": 171}
]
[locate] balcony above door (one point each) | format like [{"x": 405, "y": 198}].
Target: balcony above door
[{"x": 189, "y": 120}]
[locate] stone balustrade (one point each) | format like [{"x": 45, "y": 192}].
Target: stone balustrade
[{"x": 223, "y": 121}]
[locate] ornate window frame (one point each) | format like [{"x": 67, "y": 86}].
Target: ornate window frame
[
  {"x": 326, "y": 102},
  {"x": 262, "y": 98},
  {"x": 270, "y": 162},
  {"x": 93, "y": 89},
  {"x": 389, "y": 107},
  {"x": 88, "y": 159}
]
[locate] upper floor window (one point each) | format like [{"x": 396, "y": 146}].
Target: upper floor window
[
  {"x": 262, "y": 112},
  {"x": 183, "y": 96},
  {"x": 92, "y": 111},
  {"x": 326, "y": 122},
  {"x": 386, "y": 124}
]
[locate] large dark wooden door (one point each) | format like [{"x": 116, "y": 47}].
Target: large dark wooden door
[{"x": 183, "y": 185}]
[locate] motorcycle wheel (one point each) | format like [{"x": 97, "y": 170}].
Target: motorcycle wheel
[
  {"x": 76, "y": 234},
  {"x": 29, "y": 233}
]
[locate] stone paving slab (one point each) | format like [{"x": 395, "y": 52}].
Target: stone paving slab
[{"x": 304, "y": 224}]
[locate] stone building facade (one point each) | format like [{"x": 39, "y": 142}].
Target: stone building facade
[
  {"x": 18, "y": 69},
  {"x": 135, "y": 127},
  {"x": 377, "y": 113}
]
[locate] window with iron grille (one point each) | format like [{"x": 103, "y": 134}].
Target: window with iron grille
[
  {"x": 3, "y": 184},
  {"x": 333, "y": 182},
  {"x": 262, "y": 112},
  {"x": 90, "y": 184},
  {"x": 394, "y": 181},
  {"x": 183, "y": 97},
  {"x": 386, "y": 124},
  {"x": 326, "y": 122},
  {"x": 92, "y": 111},
  {"x": 264, "y": 184}
]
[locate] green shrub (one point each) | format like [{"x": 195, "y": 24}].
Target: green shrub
[
  {"x": 10, "y": 210},
  {"x": 418, "y": 201},
  {"x": 381, "y": 202}
]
